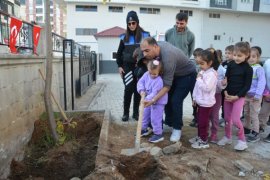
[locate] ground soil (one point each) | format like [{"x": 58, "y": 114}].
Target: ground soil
[
  {"x": 213, "y": 163},
  {"x": 76, "y": 158}
]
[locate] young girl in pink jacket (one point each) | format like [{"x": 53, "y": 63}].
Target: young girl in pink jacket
[{"x": 204, "y": 96}]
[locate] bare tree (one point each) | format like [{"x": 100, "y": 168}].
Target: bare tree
[{"x": 48, "y": 82}]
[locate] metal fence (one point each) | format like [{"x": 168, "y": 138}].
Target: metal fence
[{"x": 24, "y": 40}]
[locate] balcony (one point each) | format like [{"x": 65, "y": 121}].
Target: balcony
[{"x": 226, "y": 4}]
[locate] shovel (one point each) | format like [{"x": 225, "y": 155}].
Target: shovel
[{"x": 137, "y": 149}]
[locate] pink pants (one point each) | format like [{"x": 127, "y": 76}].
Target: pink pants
[{"x": 232, "y": 114}]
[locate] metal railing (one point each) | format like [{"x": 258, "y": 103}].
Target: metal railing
[
  {"x": 24, "y": 39},
  {"x": 25, "y": 43}
]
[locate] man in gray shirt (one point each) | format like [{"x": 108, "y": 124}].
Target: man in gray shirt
[{"x": 179, "y": 77}]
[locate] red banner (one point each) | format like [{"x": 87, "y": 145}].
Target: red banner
[
  {"x": 15, "y": 26},
  {"x": 36, "y": 35}
]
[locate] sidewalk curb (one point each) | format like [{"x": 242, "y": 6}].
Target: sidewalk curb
[{"x": 97, "y": 95}]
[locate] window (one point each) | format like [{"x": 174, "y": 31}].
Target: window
[
  {"x": 51, "y": 10},
  {"x": 221, "y": 2},
  {"x": 86, "y": 8},
  {"x": 115, "y": 9},
  {"x": 86, "y": 31},
  {"x": 214, "y": 15},
  {"x": 22, "y": 2},
  {"x": 266, "y": 2},
  {"x": 217, "y": 37},
  {"x": 39, "y": 10},
  {"x": 114, "y": 55},
  {"x": 39, "y": 18},
  {"x": 245, "y": 1},
  {"x": 189, "y": 13},
  {"x": 38, "y": 2},
  {"x": 149, "y": 10}
]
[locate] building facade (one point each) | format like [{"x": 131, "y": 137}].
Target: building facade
[
  {"x": 11, "y": 7},
  {"x": 215, "y": 23},
  {"x": 34, "y": 10}
]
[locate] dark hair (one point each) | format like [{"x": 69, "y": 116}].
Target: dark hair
[
  {"x": 210, "y": 55},
  {"x": 150, "y": 41},
  {"x": 182, "y": 16},
  {"x": 229, "y": 48},
  {"x": 197, "y": 51},
  {"x": 138, "y": 34},
  {"x": 243, "y": 47},
  {"x": 219, "y": 55},
  {"x": 258, "y": 48}
]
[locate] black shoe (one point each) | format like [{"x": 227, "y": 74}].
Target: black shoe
[
  {"x": 261, "y": 130},
  {"x": 247, "y": 131},
  {"x": 253, "y": 137},
  {"x": 267, "y": 139},
  {"x": 193, "y": 124},
  {"x": 135, "y": 116},
  {"x": 268, "y": 122},
  {"x": 125, "y": 117}
]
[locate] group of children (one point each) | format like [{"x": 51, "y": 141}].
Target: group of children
[{"x": 238, "y": 83}]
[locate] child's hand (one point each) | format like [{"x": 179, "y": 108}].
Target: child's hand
[
  {"x": 194, "y": 103},
  {"x": 199, "y": 75},
  {"x": 142, "y": 93},
  {"x": 224, "y": 82},
  {"x": 231, "y": 98}
]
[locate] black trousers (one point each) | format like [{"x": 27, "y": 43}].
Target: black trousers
[{"x": 130, "y": 82}]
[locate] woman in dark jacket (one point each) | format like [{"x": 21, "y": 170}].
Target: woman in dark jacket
[{"x": 130, "y": 40}]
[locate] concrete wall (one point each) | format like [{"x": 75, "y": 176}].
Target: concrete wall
[{"x": 21, "y": 101}]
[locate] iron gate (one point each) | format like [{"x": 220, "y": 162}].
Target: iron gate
[{"x": 87, "y": 70}]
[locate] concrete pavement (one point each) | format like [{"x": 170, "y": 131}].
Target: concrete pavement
[{"x": 111, "y": 97}]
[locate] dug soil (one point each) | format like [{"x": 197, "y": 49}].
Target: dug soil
[
  {"x": 78, "y": 157},
  {"x": 75, "y": 158},
  {"x": 188, "y": 163}
]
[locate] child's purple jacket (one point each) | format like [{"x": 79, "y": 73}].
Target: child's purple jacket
[{"x": 151, "y": 87}]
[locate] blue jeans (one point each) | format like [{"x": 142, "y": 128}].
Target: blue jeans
[{"x": 180, "y": 88}]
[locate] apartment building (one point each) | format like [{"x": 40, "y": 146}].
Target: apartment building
[
  {"x": 215, "y": 23},
  {"x": 11, "y": 7},
  {"x": 34, "y": 10}
]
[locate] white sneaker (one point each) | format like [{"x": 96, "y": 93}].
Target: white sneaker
[
  {"x": 193, "y": 140},
  {"x": 224, "y": 141},
  {"x": 241, "y": 145},
  {"x": 200, "y": 144},
  {"x": 176, "y": 135}
]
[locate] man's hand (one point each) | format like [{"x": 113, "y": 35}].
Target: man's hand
[{"x": 121, "y": 71}]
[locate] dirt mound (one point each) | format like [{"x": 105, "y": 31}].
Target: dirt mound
[
  {"x": 76, "y": 158},
  {"x": 188, "y": 163}
]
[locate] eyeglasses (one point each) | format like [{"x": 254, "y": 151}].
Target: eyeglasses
[{"x": 132, "y": 23}]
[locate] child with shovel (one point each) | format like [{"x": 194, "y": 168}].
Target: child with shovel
[{"x": 149, "y": 85}]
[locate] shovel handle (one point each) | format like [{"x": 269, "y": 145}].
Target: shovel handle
[{"x": 139, "y": 126}]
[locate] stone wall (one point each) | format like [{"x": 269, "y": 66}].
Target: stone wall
[{"x": 21, "y": 100}]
